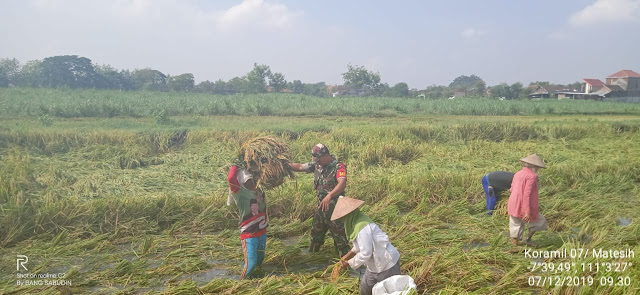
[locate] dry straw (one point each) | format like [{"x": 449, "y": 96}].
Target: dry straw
[
  {"x": 335, "y": 273},
  {"x": 268, "y": 158}
]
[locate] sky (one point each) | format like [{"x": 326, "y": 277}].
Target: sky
[{"x": 421, "y": 43}]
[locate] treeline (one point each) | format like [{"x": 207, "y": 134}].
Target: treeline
[
  {"x": 475, "y": 86},
  {"x": 73, "y": 71}
]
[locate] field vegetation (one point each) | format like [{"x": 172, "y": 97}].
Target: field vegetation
[
  {"x": 125, "y": 192},
  {"x": 74, "y": 103}
]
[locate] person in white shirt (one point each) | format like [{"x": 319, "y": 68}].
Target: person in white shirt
[{"x": 371, "y": 246}]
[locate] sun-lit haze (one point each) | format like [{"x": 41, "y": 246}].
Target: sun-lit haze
[{"x": 418, "y": 42}]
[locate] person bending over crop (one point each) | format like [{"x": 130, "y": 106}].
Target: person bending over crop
[
  {"x": 330, "y": 181},
  {"x": 371, "y": 246},
  {"x": 494, "y": 183},
  {"x": 523, "y": 206},
  {"x": 253, "y": 217}
]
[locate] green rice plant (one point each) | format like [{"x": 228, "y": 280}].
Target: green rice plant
[{"x": 166, "y": 228}]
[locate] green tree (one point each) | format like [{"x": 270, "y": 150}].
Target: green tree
[
  {"x": 507, "y": 91},
  {"x": 257, "y": 79},
  {"x": 297, "y": 86},
  {"x": 110, "y": 78},
  {"x": 362, "y": 79},
  {"x": 480, "y": 89},
  {"x": 501, "y": 90},
  {"x": 277, "y": 82},
  {"x": 436, "y": 91},
  {"x": 9, "y": 72},
  {"x": 517, "y": 90},
  {"x": 238, "y": 85},
  {"x": 400, "y": 90},
  {"x": 217, "y": 87},
  {"x": 149, "y": 79},
  {"x": 466, "y": 83},
  {"x": 316, "y": 89},
  {"x": 31, "y": 74},
  {"x": 69, "y": 70},
  {"x": 205, "y": 87},
  {"x": 540, "y": 83},
  {"x": 181, "y": 83}
]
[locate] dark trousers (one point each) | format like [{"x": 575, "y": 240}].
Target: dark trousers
[
  {"x": 371, "y": 278},
  {"x": 321, "y": 223}
]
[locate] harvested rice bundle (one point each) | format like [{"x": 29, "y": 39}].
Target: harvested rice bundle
[
  {"x": 335, "y": 273},
  {"x": 501, "y": 208},
  {"x": 268, "y": 159}
]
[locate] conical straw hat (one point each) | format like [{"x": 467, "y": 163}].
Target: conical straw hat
[
  {"x": 344, "y": 206},
  {"x": 534, "y": 159}
]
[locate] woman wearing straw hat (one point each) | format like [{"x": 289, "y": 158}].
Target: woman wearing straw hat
[
  {"x": 523, "y": 206},
  {"x": 371, "y": 245}
]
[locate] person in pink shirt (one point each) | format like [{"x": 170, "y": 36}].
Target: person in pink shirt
[{"x": 523, "y": 206}]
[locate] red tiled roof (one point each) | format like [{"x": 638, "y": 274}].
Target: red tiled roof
[
  {"x": 594, "y": 82},
  {"x": 625, "y": 74}
]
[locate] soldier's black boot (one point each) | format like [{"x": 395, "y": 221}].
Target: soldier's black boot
[{"x": 314, "y": 247}]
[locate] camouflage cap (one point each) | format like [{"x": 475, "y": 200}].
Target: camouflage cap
[{"x": 319, "y": 150}]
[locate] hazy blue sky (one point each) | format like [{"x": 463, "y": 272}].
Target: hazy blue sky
[{"x": 418, "y": 42}]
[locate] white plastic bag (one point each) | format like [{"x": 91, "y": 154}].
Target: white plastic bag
[{"x": 394, "y": 285}]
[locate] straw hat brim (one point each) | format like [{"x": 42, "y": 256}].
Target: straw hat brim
[
  {"x": 534, "y": 159},
  {"x": 345, "y": 206}
]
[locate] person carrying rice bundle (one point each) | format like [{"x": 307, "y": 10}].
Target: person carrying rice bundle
[
  {"x": 330, "y": 181},
  {"x": 523, "y": 205},
  {"x": 371, "y": 246},
  {"x": 262, "y": 162}
]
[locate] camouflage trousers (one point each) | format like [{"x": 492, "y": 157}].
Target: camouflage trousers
[{"x": 321, "y": 223}]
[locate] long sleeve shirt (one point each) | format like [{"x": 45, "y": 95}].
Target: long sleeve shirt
[
  {"x": 524, "y": 195},
  {"x": 373, "y": 249},
  {"x": 251, "y": 206}
]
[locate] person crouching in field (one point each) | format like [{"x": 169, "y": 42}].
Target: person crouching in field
[
  {"x": 523, "y": 206},
  {"x": 494, "y": 183},
  {"x": 371, "y": 245},
  {"x": 253, "y": 217}
]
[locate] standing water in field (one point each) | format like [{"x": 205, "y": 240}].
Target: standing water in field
[{"x": 622, "y": 221}]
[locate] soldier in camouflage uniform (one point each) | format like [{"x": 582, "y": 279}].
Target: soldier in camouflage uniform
[{"x": 330, "y": 181}]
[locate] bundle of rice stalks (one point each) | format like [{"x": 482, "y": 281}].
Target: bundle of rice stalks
[
  {"x": 501, "y": 207},
  {"x": 335, "y": 273},
  {"x": 268, "y": 159}
]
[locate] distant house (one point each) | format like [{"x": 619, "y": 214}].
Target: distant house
[
  {"x": 590, "y": 84},
  {"x": 577, "y": 95},
  {"x": 624, "y": 84},
  {"x": 628, "y": 80},
  {"x": 548, "y": 91},
  {"x": 610, "y": 91}
]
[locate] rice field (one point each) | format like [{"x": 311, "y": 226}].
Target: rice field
[
  {"x": 68, "y": 103},
  {"x": 125, "y": 193}
]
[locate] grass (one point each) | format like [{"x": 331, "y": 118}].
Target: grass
[
  {"x": 137, "y": 205},
  {"x": 66, "y": 103}
]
